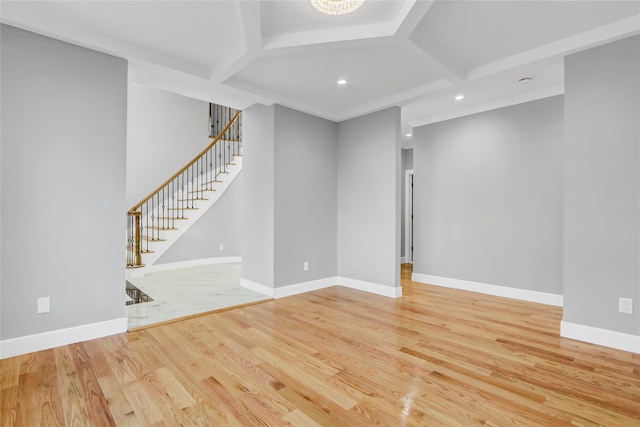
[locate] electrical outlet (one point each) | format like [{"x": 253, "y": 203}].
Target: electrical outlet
[
  {"x": 305, "y": 266},
  {"x": 43, "y": 305},
  {"x": 625, "y": 305},
  {"x": 221, "y": 247}
]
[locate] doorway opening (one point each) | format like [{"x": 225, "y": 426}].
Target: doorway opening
[{"x": 408, "y": 216}]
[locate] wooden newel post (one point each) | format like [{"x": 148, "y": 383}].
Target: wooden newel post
[{"x": 138, "y": 239}]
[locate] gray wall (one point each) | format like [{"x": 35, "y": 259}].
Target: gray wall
[
  {"x": 165, "y": 131},
  {"x": 257, "y": 195},
  {"x": 219, "y": 225},
  {"x": 369, "y": 198},
  {"x": 62, "y": 171},
  {"x": 305, "y": 197},
  {"x": 602, "y": 192},
  {"x": 406, "y": 163},
  {"x": 488, "y": 197},
  {"x": 288, "y": 197}
]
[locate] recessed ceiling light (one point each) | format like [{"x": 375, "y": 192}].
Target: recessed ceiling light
[
  {"x": 459, "y": 97},
  {"x": 342, "y": 82},
  {"x": 409, "y": 135}
]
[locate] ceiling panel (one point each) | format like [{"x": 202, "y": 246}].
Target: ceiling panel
[
  {"x": 372, "y": 72},
  {"x": 473, "y": 33},
  {"x": 192, "y": 32}
]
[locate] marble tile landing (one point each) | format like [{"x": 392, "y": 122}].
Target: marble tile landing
[{"x": 189, "y": 291}]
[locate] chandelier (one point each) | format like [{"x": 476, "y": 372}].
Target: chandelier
[{"x": 336, "y": 7}]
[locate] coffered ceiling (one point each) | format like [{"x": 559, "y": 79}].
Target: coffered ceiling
[{"x": 414, "y": 54}]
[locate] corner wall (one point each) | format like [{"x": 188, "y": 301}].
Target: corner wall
[
  {"x": 305, "y": 197},
  {"x": 602, "y": 194},
  {"x": 257, "y": 197},
  {"x": 62, "y": 170},
  {"x": 323, "y": 193},
  {"x": 289, "y": 200},
  {"x": 369, "y": 200}
]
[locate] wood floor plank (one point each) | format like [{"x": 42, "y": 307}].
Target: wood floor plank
[
  {"x": 334, "y": 357},
  {"x": 94, "y": 400},
  {"x": 174, "y": 389},
  {"x": 233, "y": 403},
  {"x": 28, "y": 397},
  {"x": 10, "y": 372},
  {"x": 49, "y": 391},
  {"x": 143, "y": 401},
  {"x": 10, "y": 411},
  {"x": 299, "y": 418},
  {"x": 72, "y": 395}
]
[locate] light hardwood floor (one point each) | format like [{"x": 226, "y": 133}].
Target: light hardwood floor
[{"x": 335, "y": 357}]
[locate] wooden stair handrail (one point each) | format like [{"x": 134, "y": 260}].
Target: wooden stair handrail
[{"x": 137, "y": 206}]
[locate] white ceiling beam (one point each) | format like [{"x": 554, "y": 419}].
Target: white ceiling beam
[
  {"x": 412, "y": 17},
  {"x": 251, "y": 22},
  {"x": 541, "y": 93},
  {"x": 444, "y": 65},
  {"x": 397, "y": 99},
  {"x": 328, "y": 36}
]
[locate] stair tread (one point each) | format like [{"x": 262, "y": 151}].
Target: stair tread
[
  {"x": 225, "y": 140},
  {"x": 188, "y": 200},
  {"x": 142, "y": 251},
  {"x": 156, "y": 227},
  {"x": 180, "y": 209},
  {"x": 149, "y": 239}
]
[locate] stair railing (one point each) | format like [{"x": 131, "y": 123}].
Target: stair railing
[{"x": 177, "y": 195}]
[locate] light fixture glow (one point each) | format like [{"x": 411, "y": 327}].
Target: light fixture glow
[
  {"x": 459, "y": 97},
  {"x": 342, "y": 82},
  {"x": 409, "y": 135},
  {"x": 336, "y": 7}
]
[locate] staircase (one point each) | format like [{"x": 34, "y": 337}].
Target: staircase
[{"x": 157, "y": 221}]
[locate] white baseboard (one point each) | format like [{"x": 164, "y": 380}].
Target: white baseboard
[
  {"x": 613, "y": 339},
  {"x": 484, "y": 288},
  {"x": 46, "y": 340},
  {"x": 257, "y": 287},
  {"x": 299, "y": 288},
  {"x": 374, "y": 288},
  {"x": 403, "y": 260},
  {"x": 191, "y": 263}
]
